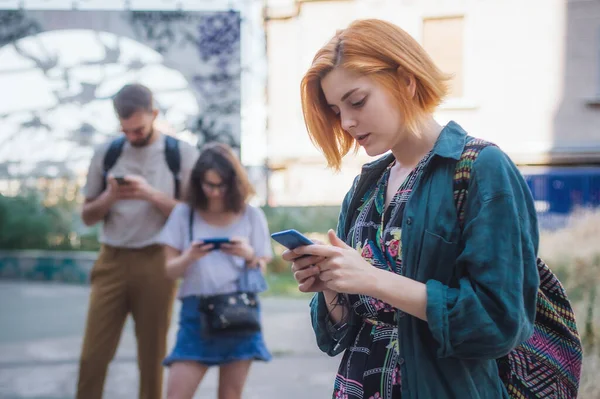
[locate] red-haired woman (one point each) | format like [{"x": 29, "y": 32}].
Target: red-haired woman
[{"x": 421, "y": 304}]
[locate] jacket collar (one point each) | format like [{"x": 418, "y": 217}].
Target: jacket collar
[{"x": 450, "y": 144}]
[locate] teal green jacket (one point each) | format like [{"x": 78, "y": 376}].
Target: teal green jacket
[{"x": 481, "y": 280}]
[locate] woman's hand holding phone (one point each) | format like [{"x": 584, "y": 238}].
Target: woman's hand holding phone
[
  {"x": 238, "y": 246},
  {"x": 305, "y": 270},
  {"x": 198, "y": 250}
]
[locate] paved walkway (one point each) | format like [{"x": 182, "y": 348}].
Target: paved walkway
[{"x": 41, "y": 328}]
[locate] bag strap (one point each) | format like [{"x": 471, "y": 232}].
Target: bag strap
[
  {"x": 462, "y": 174},
  {"x": 246, "y": 272},
  {"x": 191, "y": 225},
  {"x": 110, "y": 158},
  {"x": 173, "y": 158}
]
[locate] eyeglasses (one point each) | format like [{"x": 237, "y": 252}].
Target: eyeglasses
[{"x": 213, "y": 187}]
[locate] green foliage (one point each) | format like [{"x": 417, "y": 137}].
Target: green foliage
[
  {"x": 308, "y": 219},
  {"x": 24, "y": 223}
]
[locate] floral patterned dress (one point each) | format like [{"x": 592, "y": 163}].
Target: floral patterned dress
[{"x": 370, "y": 368}]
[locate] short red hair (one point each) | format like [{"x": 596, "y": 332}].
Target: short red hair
[{"x": 387, "y": 53}]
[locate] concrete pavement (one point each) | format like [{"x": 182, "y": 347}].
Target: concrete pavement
[{"x": 41, "y": 328}]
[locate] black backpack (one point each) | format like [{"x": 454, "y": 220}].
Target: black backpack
[{"x": 172, "y": 156}]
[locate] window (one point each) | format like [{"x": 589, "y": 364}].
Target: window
[{"x": 443, "y": 39}]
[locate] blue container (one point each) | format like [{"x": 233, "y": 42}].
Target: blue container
[{"x": 560, "y": 190}]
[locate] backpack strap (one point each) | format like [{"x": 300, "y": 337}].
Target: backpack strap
[
  {"x": 462, "y": 174},
  {"x": 191, "y": 225},
  {"x": 173, "y": 158},
  {"x": 110, "y": 158}
]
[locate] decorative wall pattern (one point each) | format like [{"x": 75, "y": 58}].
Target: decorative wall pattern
[{"x": 60, "y": 69}]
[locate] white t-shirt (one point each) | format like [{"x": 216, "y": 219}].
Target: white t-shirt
[{"x": 217, "y": 272}]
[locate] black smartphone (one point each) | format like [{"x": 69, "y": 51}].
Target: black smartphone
[
  {"x": 216, "y": 242},
  {"x": 121, "y": 180}
]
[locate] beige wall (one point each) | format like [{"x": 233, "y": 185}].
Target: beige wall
[
  {"x": 530, "y": 67},
  {"x": 578, "y": 116}
]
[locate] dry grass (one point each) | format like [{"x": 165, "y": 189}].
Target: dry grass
[
  {"x": 573, "y": 253},
  {"x": 574, "y": 249},
  {"x": 590, "y": 386}
]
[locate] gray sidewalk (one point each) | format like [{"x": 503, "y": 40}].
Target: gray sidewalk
[{"x": 41, "y": 328}]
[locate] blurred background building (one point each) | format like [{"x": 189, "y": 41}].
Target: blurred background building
[
  {"x": 526, "y": 76},
  {"x": 61, "y": 62}
]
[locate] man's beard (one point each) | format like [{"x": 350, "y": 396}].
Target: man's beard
[{"x": 144, "y": 141}]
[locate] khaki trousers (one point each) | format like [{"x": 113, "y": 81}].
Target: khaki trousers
[{"x": 127, "y": 281}]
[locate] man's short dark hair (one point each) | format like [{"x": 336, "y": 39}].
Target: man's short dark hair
[{"x": 131, "y": 99}]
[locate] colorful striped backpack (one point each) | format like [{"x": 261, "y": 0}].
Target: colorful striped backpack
[{"x": 548, "y": 365}]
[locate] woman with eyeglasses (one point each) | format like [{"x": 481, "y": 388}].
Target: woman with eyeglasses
[{"x": 217, "y": 207}]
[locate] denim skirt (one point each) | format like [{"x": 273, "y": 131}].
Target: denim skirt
[{"x": 193, "y": 345}]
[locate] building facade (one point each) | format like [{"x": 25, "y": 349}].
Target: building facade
[{"x": 526, "y": 76}]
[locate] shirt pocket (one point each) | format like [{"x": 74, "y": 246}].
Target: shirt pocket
[{"x": 438, "y": 258}]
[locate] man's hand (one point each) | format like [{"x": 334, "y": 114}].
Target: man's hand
[
  {"x": 136, "y": 187},
  {"x": 112, "y": 189},
  {"x": 95, "y": 209}
]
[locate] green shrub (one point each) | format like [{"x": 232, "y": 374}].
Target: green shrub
[
  {"x": 315, "y": 219},
  {"x": 26, "y": 223}
]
